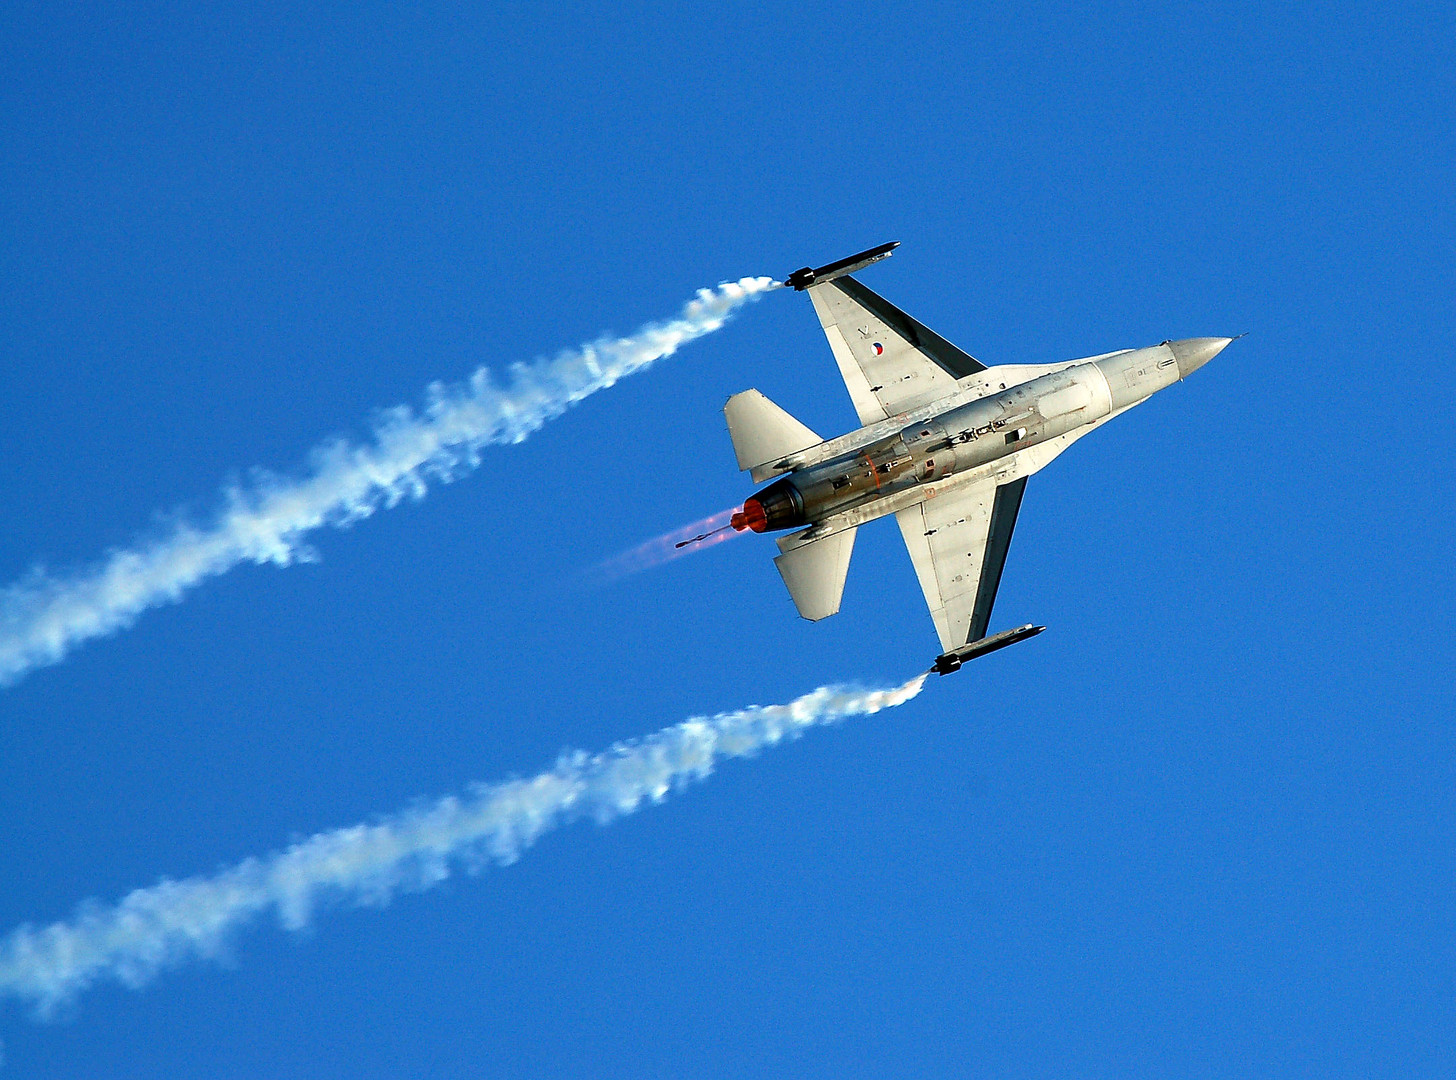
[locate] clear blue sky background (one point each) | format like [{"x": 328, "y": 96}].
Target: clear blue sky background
[{"x": 1202, "y": 827}]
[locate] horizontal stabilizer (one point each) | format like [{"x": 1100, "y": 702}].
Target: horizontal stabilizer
[
  {"x": 815, "y": 574},
  {"x": 763, "y": 433}
]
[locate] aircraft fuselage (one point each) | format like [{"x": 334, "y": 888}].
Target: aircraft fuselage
[{"x": 965, "y": 431}]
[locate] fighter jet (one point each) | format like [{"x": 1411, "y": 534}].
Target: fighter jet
[{"x": 947, "y": 445}]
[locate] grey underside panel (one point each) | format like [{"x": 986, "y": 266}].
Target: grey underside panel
[
  {"x": 958, "y": 543},
  {"x": 1003, "y": 521},
  {"x": 946, "y": 355}
]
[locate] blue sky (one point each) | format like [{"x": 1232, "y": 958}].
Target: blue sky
[{"x": 1200, "y": 827}]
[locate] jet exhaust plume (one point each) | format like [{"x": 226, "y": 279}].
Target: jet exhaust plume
[
  {"x": 706, "y": 533},
  {"x": 172, "y": 922},
  {"x": 692, "y": 540},
  {"x": 42, "y": 618}
]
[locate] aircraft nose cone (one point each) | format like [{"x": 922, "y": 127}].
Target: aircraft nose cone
[{"x": 1193, "y": 353}]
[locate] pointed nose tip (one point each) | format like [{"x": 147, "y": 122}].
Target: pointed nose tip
[{"x": 1193, "y": 353}]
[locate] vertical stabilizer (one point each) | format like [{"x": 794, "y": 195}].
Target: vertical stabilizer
[
  {"x": 763, "y": 433},
  {"x": 815, "y": 574}
]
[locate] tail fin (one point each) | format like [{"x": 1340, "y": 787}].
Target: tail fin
[
  {"x": 763, "y": 433},
  {"x": 815, "y": 573}
]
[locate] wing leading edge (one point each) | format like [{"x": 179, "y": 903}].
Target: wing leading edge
[
  {"x": 889, "y": 361},
  {"x": 958, "y": 543}
]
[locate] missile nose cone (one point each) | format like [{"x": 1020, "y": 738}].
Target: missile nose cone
[{"x": 1193, "y": 353}]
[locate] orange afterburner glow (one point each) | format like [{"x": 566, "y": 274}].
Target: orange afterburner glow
[{"x": 750, "y": 517}]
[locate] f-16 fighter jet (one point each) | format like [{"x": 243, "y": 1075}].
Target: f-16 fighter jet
[{"x": 946, "y": 446}]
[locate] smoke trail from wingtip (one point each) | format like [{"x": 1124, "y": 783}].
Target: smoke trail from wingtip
[
  {"x": 175, "y": 921},
  {"x": 42, "y": 618}
]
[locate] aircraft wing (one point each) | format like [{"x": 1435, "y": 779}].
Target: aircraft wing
[
  {"x": 889, "y": 361},
  {"x": 958, "y": 543}
]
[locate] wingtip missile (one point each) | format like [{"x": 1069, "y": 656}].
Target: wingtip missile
[
  {"x": 809, "y": 275},
  {"x": 952, "y": 661}
]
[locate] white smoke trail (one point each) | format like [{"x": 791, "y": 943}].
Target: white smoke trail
[
  {"x": 42, "y": 617},
  {"x": 174, "y": 921}
]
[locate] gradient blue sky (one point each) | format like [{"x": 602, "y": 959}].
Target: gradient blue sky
[{"x": 1202, "y": 827}]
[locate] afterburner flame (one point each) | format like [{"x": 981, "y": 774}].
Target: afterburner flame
[
  {"x": 708, "y": 532},
  {"x": 750, "y": 517}
]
